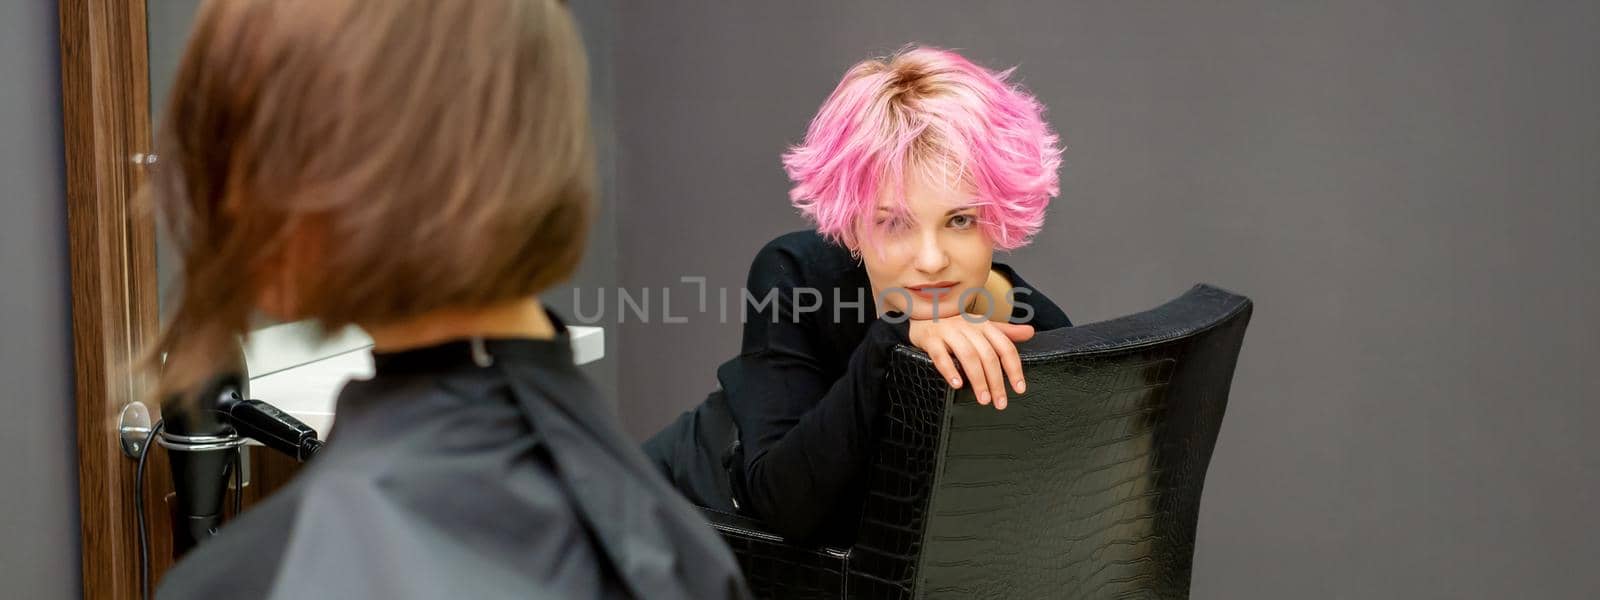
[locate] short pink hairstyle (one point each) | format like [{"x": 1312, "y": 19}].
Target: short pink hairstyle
[{"x": 921, "y": 111}]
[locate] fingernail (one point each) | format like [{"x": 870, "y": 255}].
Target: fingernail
[
  {"x": 1022, "y": 386},
  {"x": 955, "y": 382},
  {"x": 983, "y": 397},
  {"x": 1000, "y": 404}
]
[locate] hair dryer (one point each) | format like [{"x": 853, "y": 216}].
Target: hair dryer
[{"x": 202, "y": 437}]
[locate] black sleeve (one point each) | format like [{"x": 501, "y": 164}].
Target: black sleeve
[{"x": 806, "y": 437}]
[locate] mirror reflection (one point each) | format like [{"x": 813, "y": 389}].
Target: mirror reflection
[{"x": 295, "y": 365}]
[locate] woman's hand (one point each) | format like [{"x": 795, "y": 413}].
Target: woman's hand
[{"x": 987, "y": 351}]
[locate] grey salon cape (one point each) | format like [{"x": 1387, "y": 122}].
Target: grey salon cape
[{"x": 444, "y": 478}]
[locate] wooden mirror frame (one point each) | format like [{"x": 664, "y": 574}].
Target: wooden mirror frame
[
  {"x": 106, "y": 129},
  {"x": 106, "y": 133}
]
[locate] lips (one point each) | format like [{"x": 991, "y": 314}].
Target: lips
[{"x": 928, "y": 290}]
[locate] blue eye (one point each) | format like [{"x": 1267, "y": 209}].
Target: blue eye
[{"x": 963, "y": 221}]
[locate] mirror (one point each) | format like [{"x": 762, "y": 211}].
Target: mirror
[
  {"x": 120, "y": 268},
  {"x": 288, "y": 366},
  {"x": 167, "y": 23}
]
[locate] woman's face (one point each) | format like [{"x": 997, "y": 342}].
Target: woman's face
[{"x": 931, "y": 255}]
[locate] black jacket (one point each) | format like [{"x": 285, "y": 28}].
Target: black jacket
[{"x": 804, "y": 389}]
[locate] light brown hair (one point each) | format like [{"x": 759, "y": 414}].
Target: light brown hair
[{"x": 371, "y": 161}]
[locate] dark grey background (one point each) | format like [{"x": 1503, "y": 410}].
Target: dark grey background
[
  {"x": 38, "y": 424},
  {"x": 1408, "y": 190},
  {"x": 599, "y": 269}
]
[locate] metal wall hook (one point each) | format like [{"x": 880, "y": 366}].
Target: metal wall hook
[{"x": 134, "y": 426}]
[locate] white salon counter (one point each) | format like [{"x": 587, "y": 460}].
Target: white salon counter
[{"x": 303, "y": 378}]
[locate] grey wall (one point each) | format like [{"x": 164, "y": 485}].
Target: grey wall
[
  {"x": 38, "y": 437},
  {"x": 1409, "y": 192},
  {"x": 167, "y": 24},
  {"x": 599, "y": 269}
]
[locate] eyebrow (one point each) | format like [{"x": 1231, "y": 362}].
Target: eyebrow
[{"x": 884, "y": 208}]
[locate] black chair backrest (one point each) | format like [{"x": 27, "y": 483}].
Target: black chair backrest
[{"x": 1087, "y": 486}]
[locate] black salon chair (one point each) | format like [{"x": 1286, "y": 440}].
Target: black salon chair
[{"x": 1087, "y": 486}]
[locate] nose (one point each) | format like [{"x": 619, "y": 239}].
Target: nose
[{"x": 931, "y": 257}]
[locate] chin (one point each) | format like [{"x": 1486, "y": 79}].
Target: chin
[{"x": 923, "y": 309}]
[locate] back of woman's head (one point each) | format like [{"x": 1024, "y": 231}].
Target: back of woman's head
[{"x": 352, "y": 161}]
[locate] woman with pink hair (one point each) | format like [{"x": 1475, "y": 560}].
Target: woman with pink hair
[{"x": 914, "y": 171}]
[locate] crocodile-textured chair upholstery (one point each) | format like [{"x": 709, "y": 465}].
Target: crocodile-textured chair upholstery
[{"x": 1087, "y": 486}]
